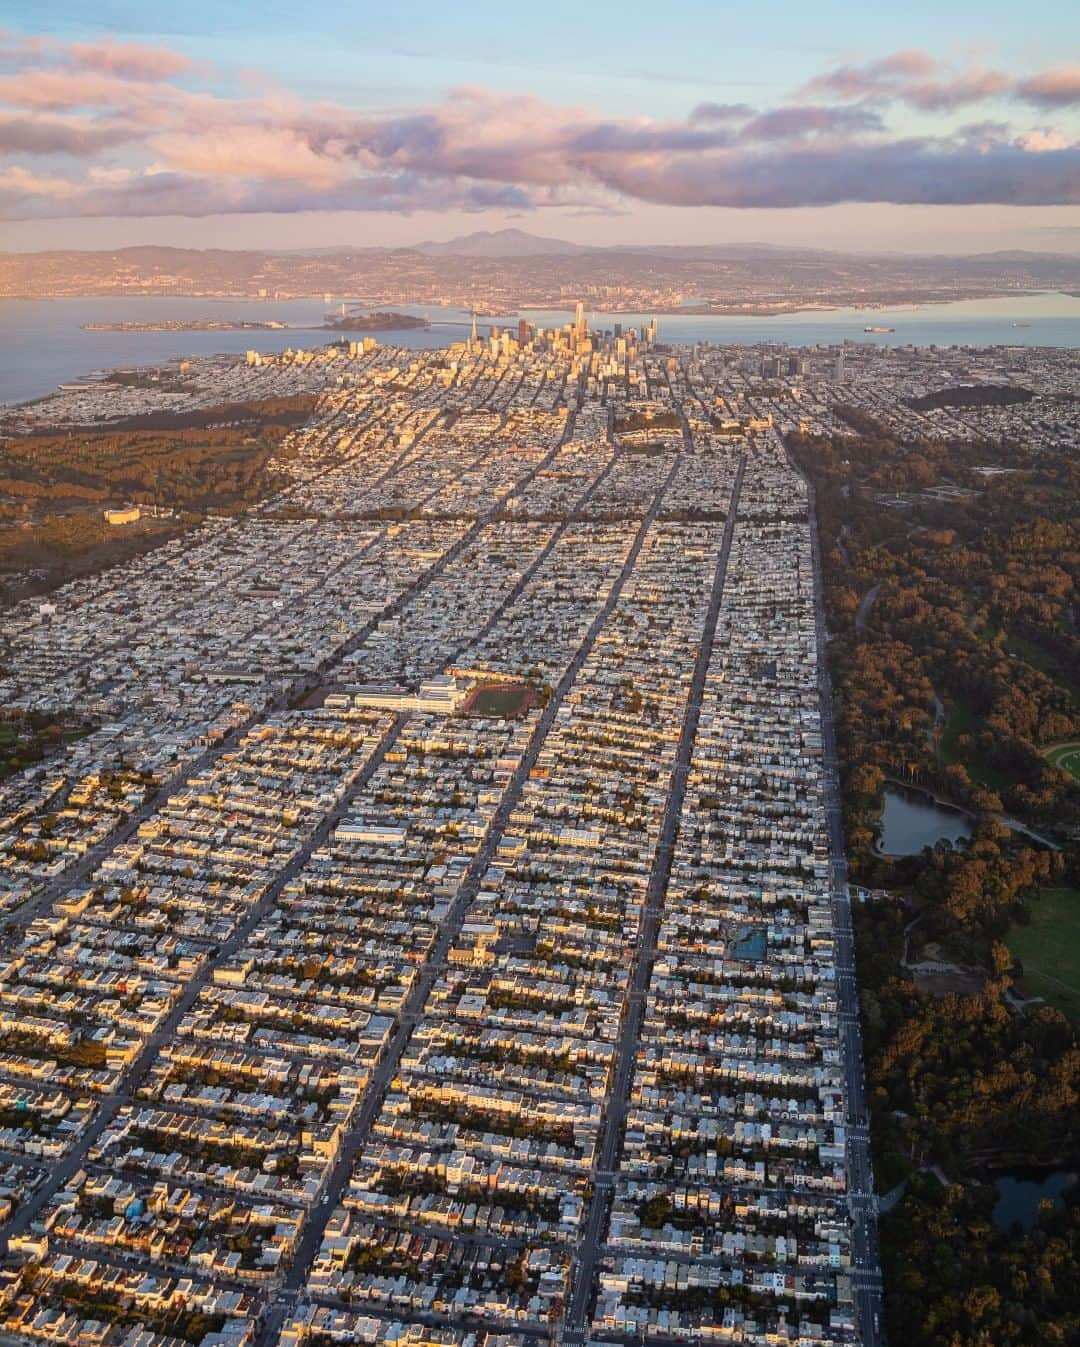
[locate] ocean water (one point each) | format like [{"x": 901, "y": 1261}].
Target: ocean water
[
  {"x": 1052, "y": 320},
  {"x": 42, "y": 343}
]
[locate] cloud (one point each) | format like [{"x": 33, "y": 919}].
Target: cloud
[
  {"x": 720, "y": 112},
  {"x": 119, "y": 60},
  {"x": 127, "y": 60},
  {"x": 945, "y": 95},
  {"x": 56, "y": 89},
  {"x": 110, "y": 175},
  {"x": 1044, "y": 140},
  {"x": 268, "y": 153},
  {"x": 166, "y": 193},
  {"x": 874, "y": 78},
  {"x": 794, "y": 122},
  {"x": 20, "y": 182},
  {"x": 911, "y": 63},
  {"x": 15, "y": 52},
  {"x": 920, "y": 81},
  {"x": 911, "y": 77},
  {"x": 910, "y": 172},
  {"x": 149, "y": 144},
  {"x": 21, "y": 134},
  {"x": 981, "y": 136},
  {"x": 1053, "y": 88}
]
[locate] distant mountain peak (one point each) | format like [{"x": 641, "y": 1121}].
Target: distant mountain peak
[{"x": 499, "y": 243}]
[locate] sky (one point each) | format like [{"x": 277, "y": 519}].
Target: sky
[{"x": 926, "y": 127}]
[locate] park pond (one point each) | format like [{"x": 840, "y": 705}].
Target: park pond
[
  {"x": 1020, "y": 1193},
  {"x": 913, "y": 819}
]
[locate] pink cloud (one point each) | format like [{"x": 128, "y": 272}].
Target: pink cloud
[
  {"x": 912, "y": 63},
  {"x": 128, "y": 60},
  {"x": 917, "y": 79},
  {"x": 1053, "y": 88},
  {"x": 192, "y": 152},
  {"x": 55, "y": 88},
  {"x": 912, "y": 77},
  {"x": 1044, "y": 140},
  {"x": 794, "y": 122},
  {"x": 24, "y": 134},
  {"x": 873, "y": 79},
  {"x": 268, "y": 153},
  {"x": 21, "y": 181}
]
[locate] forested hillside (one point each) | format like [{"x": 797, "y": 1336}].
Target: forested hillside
[
  {"x": 951, "y": 578},
  {"x": 54, "y": 487}
]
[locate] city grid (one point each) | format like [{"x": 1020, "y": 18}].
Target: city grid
[{"x": 444, "y": 936}]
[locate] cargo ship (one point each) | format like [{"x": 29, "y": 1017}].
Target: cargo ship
[{"x": 879, "y": 329}]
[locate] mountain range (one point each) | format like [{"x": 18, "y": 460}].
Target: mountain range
[
  {"x": 501, "y": 243},
  {"x": 504, "y": 270},
  {"x": 520, "y": 243}
]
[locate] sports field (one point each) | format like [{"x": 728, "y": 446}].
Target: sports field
[
  {"x": 1049, "y": 949},
  {"x": 1067, "y": 757},
  {"x": 500, "y": 700}
]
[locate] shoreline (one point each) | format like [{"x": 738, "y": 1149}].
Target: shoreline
[
  {"x": 1048, "y": 316},
  {"x": 705, "y": 310},
  {"x": 950, "y": 806},
  {"x": 212, "y": 325}
]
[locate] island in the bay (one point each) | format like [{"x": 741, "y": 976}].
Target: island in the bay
[
  {"x": 346, "y": 322},
  {"x": 374, "y": 322}
]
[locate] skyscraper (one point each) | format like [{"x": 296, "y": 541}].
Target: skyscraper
[{"x": 580, "y": 329}]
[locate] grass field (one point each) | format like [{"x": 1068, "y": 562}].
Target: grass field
[
  {"x": 960, "y": 720},
  {"x": 500, "y": 700},
  {"x": 1049, "y": 949},
  {"x": 1067, "y": 757},
  {"x": 1041, "y": 659}
]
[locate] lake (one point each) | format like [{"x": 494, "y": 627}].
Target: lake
[
  {"x": 1019, "y": 1195},
  {"x": 911, "y": 820},
  {"x": 42, "y": 344}
]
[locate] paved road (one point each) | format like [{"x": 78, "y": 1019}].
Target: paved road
[
  {"x": 80, "y": 869},
  {"x": 866, "y": 603},
  {"x": 867, "y": 1276},
  {"x": 861, "y": 1199},
  {"x": 591, "y": 1242},
  {"x": 291, "y": 695},
  {"x": 133, "y": 1077},
  {"x": 437, "y": 959},
  {"x": 475, "y": 639},
  {"x": 65, "y": 1168}
]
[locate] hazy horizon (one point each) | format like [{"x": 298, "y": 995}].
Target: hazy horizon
[{"x": 31, "y": 245}]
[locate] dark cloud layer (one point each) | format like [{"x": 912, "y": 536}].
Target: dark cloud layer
[{"x": 907, "y": 172}]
